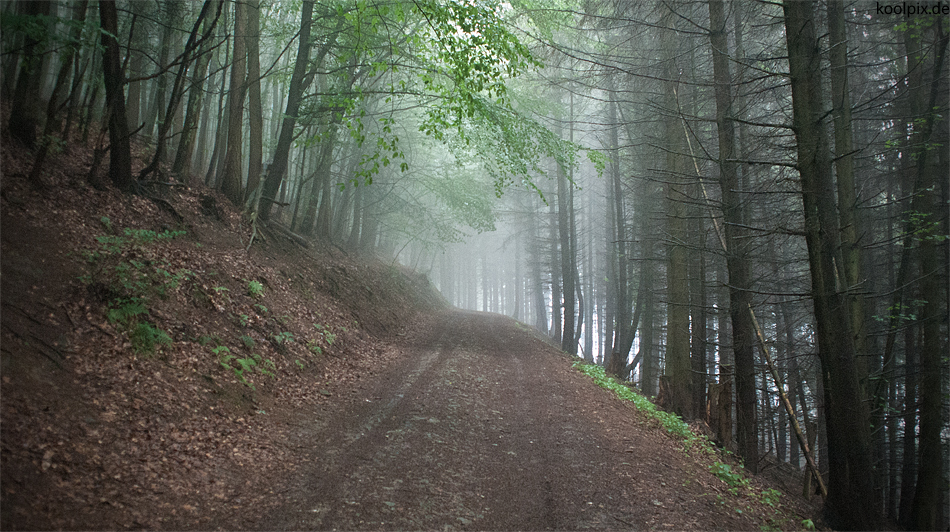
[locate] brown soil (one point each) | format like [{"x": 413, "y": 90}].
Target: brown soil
[
  {"x": 408, "y": 416},
  {"x": 484, "y": 426}
]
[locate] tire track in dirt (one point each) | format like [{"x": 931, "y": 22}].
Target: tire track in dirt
[{"x": 481, "y": 426}]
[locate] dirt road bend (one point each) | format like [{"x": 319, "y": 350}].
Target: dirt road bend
[{"x": 482, "y": 425}]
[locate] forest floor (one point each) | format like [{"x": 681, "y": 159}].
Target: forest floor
[{"x": 158, "y": 375}]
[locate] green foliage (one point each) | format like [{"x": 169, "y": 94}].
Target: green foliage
[
  {"x": 126, "y": 312},
  {"x": 123, "y": 266},
  {"x": 129, "y": 315},
  {"x": 924, "y": 226},
  {"x": 671, "y": 422},
  {"x": 770, "y": 496},
  {"x": 117, "y": 265},
  {"x": 260, "y": 308},
  {"x": 284, "y": 337},
  {"x": 243, "y": 366},
  {"x": 248, "y": 341},
  {"x": 314, "y": 347},
  {"x": 325, "y": 333},
  {"x": 145, "y": 337},
  {"x": 808, "y": 524},
  {"x": 255, "y": 289},
  {"x": 734, "y": 478},
  {"x": 901, "y": 313}
]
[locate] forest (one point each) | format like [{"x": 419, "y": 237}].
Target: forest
[{"x": 741, "y": 208}]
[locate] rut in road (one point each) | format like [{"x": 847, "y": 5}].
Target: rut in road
[{"x": 486, "y": 426}]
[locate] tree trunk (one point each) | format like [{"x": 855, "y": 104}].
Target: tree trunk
[
  {"x": 299, "y": 81},
  {"x": 736, "y": 242},
  {"x": 564, "y": 215},
  {"x": 930, "y": 480},
  {"x": 120, "y": 150},
  {"x": 25, "y": 110},
  {"x": 851, "y": 502},
  {"x": 183, "y": 153},
  {"x": 677, "y": 270},
  {"x": 255, "y": 106},
  {"x": 231, "y": 178},
  {"x": 53, "y": 107}
]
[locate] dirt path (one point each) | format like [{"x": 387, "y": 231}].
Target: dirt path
[{"x": 485, "y": 426}]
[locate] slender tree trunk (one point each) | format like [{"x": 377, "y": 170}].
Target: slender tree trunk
[
  {"x": 183, "y": 154},
  {"x": 255, "y": 106},
  {"x": 930, "y": 481},
  {"x": 178, "y": 88},
  {"x": 232, "y": 174},
  {"x": 26, "y": 113},
  {"x": 677, "y": 269},
  {"x": 53, "y": 107},
  {"x": 120, "y": 151},
  {"x": 736, "y": 241},
  {"x": 299, "y": 81},
  {"x": 564, "y": 215},
  {"x": 851, "y": 502}
]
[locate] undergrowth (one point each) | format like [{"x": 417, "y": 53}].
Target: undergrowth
[{"x": 126, "y": 275}]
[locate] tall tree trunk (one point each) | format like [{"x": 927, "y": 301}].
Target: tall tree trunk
[
  {"x": 844, "y": 168},
  {"x": 736, "y": 242},
  {"x": 183, "y": 154},
  {"x": 53, "y": 107},
  {"x": 178, "y": 87},
  {"x": 851, "y": 502},
  {"x": 232, "y": 174},
  {"x": 930, "y": 481},
  {"x": 255, "y": 109},
  {"x": 677, "y": 269},
  {"x": 120, "y": 150},
  {"x": 299, "y": 81},
  {"x": 617, "y": 254},
  {"x": 568, "y": 266},
  {"x": 25, "y": 110}
]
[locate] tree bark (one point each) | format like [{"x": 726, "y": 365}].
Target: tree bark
[
  {"x": 120, "y": 150},
  {"x": 735, "y": 241},
  {"x": 232, "y": 174},
  {"x": 255, "y": 109},
  {"x": 25, "y": 110},
  {"x": 299, "y": 81},
  {"x": 851, "y": 503}
]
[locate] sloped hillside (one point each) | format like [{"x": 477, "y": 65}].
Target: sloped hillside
[{"x": 151, "y": 363}]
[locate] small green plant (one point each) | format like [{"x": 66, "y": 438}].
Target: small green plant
[
  {"x": 324, "y": 331},
  {"x": 128, "y": 275},
  {"x": 314, "y": 347},
  {"x": 129, "y": 315},
  {"x": 735, "y": 479},
  {"x": 245, "y": 319},
  {"x": 248, "y": 341},
  {"x": 808, "y": 524},
  {"x": 299, "y": 363},
  {"x": 145, "y": 337},
  {"x": 126, "y": 312},
  {"x": 255, "y": 289},
  {"x": 220, "y": 289},
  {"x": 260, "y": 308},
  {"x": 771, "y": 496},
  {"x": 284, "y": 337},
  {"x": 242, "y": 366}
]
